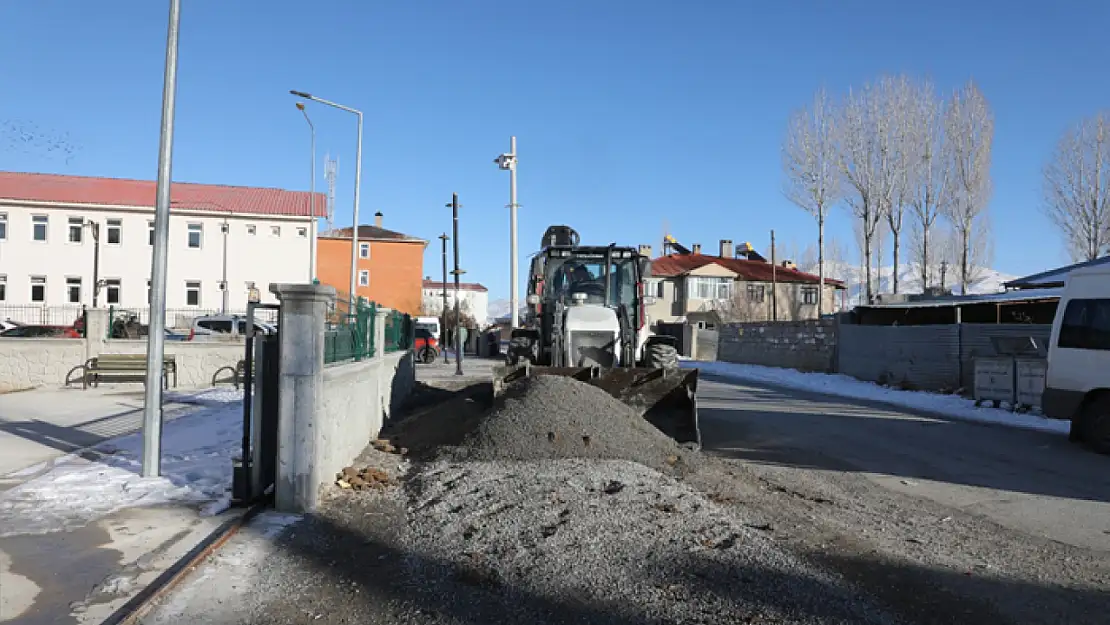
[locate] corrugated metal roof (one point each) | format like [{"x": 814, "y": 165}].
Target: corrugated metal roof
[
  {"x": 1053, "y": 277},
  {"x": 678, "y": 264},
  {"x": 76, "y": 190},
  {"x": 1028, "y": 295}
]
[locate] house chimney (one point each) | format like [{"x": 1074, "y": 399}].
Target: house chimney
[
  {"x": 726, "y": 248},
  {"x": 645, "y": 250},
  {"x": 696, "y": 249},
  {"x": 378, "y": 219}
]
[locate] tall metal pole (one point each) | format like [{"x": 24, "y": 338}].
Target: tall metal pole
[
  {"x": 512, "y": 235},
  {"x": 155, "y": 346},
  {"x": 225, "y": 227},
  {"x": 774, "y": 282},
  {"x": 95, "y": 227},
  {"x": 443, "y": 286},
  {"x": 312, "y": 194},
  {"x": 457, "y": 272},
  {"x": 354, "y": 228}
]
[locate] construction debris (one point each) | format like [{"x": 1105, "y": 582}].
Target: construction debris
[{"x": 367, "y": 478}]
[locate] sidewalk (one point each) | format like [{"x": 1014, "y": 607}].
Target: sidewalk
[{"x": 80, "y": 533}]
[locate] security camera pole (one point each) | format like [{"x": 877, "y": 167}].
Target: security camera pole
[
  {"x": 508, "y": 161},
  {"x": 156, "y": 334}
]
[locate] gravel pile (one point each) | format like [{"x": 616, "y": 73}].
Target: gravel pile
[
  {"x": 544, "y": 418},
  {"x": 611, "y": 541}
]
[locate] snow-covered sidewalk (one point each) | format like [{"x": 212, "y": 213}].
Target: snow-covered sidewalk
[
  {"x": 839, "y": 385},
  {"x": 81, "y": 488}
]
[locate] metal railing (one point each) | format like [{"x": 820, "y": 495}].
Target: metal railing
[
  {"x": 350, "y": 331},
  {"x": 398, "y": 332}
]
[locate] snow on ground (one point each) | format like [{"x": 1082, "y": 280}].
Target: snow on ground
[
  {"x": 952, "y": 406},
  {"x": 196, "y": 470}
]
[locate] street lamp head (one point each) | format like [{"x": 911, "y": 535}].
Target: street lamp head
[
  {"x": 506, "y": 161},
  {"x": 444, "y": 236},
  {"x": 300, "y": 106},
  {"x": 301, "y": 94}
]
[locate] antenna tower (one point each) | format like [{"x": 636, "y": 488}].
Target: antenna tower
[{"x": 331, "y": 169}]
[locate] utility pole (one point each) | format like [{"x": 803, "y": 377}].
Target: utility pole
[
  {"x": 458, "y": 272},
  {"x": 312, "y": 193},
  {"x": 95, "y": 228},
  {"x": 156, "y": 334},
  {"x": 443, "y": 290},
  {"x": 508, "y": 161},
  {"x": 224, "y": 228},
  {"x": 774, "y": 281}
]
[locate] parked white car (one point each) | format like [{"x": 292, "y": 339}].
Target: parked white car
[
  {"x": 214, "y": 325},
  {"x": 1077, "y": 383}
]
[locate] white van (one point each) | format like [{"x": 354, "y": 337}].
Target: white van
[
  {"x": 430, "y": 323},
  {"x": 1077, "y": 384}
]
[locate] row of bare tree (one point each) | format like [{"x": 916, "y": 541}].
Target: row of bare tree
[
  {"x": 894, "y": 147},
  {"x": 1077, "y": 187}
]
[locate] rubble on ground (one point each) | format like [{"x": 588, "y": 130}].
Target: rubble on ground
[{"x": 367, "y": 478}]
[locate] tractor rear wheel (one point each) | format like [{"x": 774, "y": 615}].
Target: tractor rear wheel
[{"x": 661, "y": 356}]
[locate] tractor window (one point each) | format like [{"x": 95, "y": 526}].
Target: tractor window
[{"x": 574, "y": 275}]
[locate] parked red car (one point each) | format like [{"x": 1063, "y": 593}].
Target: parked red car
[
  {"x": 41, "y": 332},
  {"x": 425, "y": 346}
]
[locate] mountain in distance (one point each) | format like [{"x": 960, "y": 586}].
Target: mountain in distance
[
  {"x": 501, "y": 308},
  {"x": 909, "y": 279}
]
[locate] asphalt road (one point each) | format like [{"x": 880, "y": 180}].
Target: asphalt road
[{"x": 1025, "y": 514}]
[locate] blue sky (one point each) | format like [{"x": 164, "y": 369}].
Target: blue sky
[{"x": 629, "y": 115}]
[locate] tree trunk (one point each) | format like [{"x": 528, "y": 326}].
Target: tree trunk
[
  {"x": 964, "y": 260},
  {"x": 924, "y": 258},
  {"x": 867, "y": 263},
  {"x": 820, "y": 264},
  {"x": 894, "y": 276}
]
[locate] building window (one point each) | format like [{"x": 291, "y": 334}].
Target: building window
[
  {"x": 698, "y": 287},
  {"x": 1086, "y": 325},
  {"x": 3, "y": 288},
  {"x": 196, "y": 234},
  {"x": 655, "y": 288},
  {"x": 76, "y": 229},
  {"x": 364, "y": 250},
  {"x": 73, "y": 290},
  {"x": 809, "y": 295},
  {"x": 3, "y": 226},
  {"x": 364, "y": 277},
  {"x": 38, "y": 289},
  {"x": 38, "y": 227},
  {"x": 150, "y": 233},
  {"x": 252, "y": 229},
  {"x": 113, "y": 290},
  {"x": 757, "y": 293},
  {"x": 302, "y": 232},
  {"x": 192, "y": 293},
  {"x": 275, "y": 231},
  {"x": 115, "y": 231}
]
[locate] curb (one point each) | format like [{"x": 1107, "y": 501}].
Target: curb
[{"x": 137, "y": 606}]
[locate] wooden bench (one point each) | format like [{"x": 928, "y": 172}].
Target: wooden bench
[
  {"x": 123, "y": 368},
  {"x": 238, "y": 374}
]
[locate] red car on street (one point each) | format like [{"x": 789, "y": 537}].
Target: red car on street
[{"x": 425, "y": 346}]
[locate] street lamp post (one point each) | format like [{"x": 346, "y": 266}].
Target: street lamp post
[
  {"x": 95, "y": 228},
  {"x": 508, "y": 161},
  {"x": 226, "y": 294},
  {"x": 443, "y": 285},
  {"x": 312, "y": 196},
  {"x": 358, "y": 182},
  {"x": 156, "y": 333},
  {"x": 457, "y": 272}
]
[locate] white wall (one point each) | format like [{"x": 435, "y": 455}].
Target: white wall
[
  {"x": 478, "y": 301},
  {"x": 261, "y": 258}
]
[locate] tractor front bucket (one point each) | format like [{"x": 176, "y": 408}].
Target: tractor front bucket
[{"x": 665, "y": 397}]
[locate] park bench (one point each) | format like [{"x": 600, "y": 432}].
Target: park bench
[
  {"x": 238, "y": 374},
  {"x": 123, "y": 368}
]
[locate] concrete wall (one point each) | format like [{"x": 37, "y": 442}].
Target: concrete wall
[
  {"x": 357, "y": 399},
  {"x": 802, "y": 345},
  {"x": 27, "y": 363}
]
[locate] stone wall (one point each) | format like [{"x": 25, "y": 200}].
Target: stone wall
[{"x": 801, "y": 345}]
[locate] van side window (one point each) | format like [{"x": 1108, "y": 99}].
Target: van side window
[{"x": 1086, "y": 325}]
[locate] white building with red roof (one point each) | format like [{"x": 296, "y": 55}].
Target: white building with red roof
[{"x": 246, "y": 236}]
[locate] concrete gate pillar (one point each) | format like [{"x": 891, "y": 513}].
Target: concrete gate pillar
[{"x": 301, "y": 325}]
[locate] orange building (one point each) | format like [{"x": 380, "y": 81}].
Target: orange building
[{"x": 390, "y": 265}]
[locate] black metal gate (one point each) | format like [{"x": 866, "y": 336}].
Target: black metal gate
[
  {"x": 678, "y": 331},
  {"x": 256, "y": 471}
]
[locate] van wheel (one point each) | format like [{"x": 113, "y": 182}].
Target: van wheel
[
  {"x": 1075, "y": 432},
  {"x": 1096, "y": 425}
]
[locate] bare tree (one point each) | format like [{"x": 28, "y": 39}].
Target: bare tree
[
  {"x": 969, "y": 126},
  {"x": 929, "y": 174},
  {"x": 1077, "y": 187},
  {"x": 899, "y": 100},
  {"x": 810, "y": 160}
]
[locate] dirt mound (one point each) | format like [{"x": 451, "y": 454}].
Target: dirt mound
[{"x": 542, "y": 418}]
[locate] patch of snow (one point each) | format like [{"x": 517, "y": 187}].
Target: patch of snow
[
  {"x": 196, "y": 470},
  {"x": 952, "y": 406}
]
